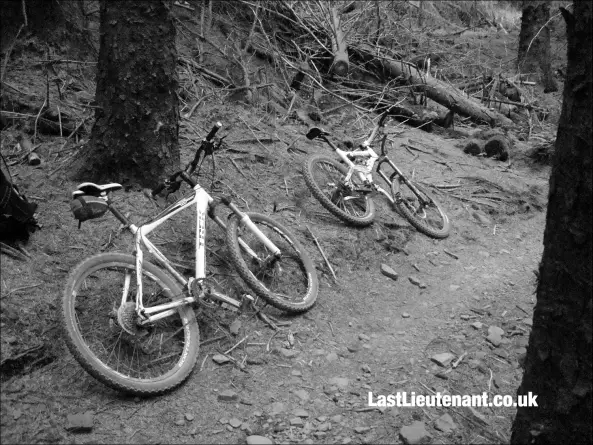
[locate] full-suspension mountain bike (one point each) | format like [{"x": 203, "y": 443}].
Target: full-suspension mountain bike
[
  {"x": 345, "y": 188},
  {"x": 131, "y": 324}
]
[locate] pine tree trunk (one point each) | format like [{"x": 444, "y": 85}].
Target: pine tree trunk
[
  {"x": 558, "y": 367},
  {"x": 135, "y": 136},
  {"x": 534, "y": 52}
]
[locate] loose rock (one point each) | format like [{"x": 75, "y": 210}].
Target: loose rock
[
  {"x": 220, "y": 359},
  {"x": 443, "y": 359},
  {"x": 445, "y": 423},
  {"x": 258, "y": 440},
  {"x": 389, "y": 272},
  {"x": 80, "y": 423},
  {"x": 228, "y": 395},
  {"x": 414, "y": 434},
  {"x": 235, "y": 423}
]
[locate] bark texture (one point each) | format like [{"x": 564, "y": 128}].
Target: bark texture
[
  {"x": 534, "y": 42},
  {"x": 134, "y": 140},
  {"x": 558, "y": 366}
]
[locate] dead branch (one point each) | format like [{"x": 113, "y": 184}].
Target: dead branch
[{"x": 331, "y": 269}]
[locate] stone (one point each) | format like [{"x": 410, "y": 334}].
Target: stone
[
  {"x": 258, "y": 440},
  {"x": 276, "y": 408},
  {"x": 326, "y": 426},
  {"x": 495, "y": 330},
  {"x": 228, "y": 395},
  {"x": 477, "y": 325},
  {"x": 189, "y": 417},
  {"x": 235, "y": 423},
  {"x": 414, "y": 280},
  {"x": 405, "y": 315},
  {"x": 300, "y": 412},
  {"x": 180, "y": 422},
  {"x": 445, "y": 423},
  {"x": 331, "y": 357},
  {"x": 354, "y": 347},
  {"x": 366, "y": 368},
  {"x": 363, "y": 337},
  {"x": 361, "y": 429},
  {"x": 235, "y": 326},
  {"x": 81, "y": 422},
  {"x": 296, "y": 421},
  {"x": 388, "y": 272},
  {"x": 337, "y": 418},
  {"x": 484, "y": 253},
  {"x": 464, "y": 317},
  {"x": 340, "y": 382},
  {"x": 414, "y": 434},
  {"x": 442, "y": 375},
  {"x": 302, "y": 394},
  {"x": 454, "y": 287},
  {"x": 494, "y": 338},
  {"x": 502, "y": 353},
  {"x": 296, "y": 373},
  {"x": 443, "y": 359},
  {"x": 223, "y": 420},
  {"x": 220, "y": 359},
  {"x": 528, "y": 321},
  {"x": 287, "y": 353},
  {"x": 471, "y": 412}
]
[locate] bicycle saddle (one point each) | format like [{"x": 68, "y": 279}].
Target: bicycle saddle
[
  {"x": 90, "y": 188},
  {"x": 316, "y": 132}
]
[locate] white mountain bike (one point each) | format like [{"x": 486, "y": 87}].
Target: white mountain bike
[
  {"x": 131, "y": 324},
  {"x": 344, "y": 188}
]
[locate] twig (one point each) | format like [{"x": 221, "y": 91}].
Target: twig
[
  {"x": 451, "y": 254},
  {"x": 72, "y": 134},
  {"x": 270, "y": 340},
  {"x": 323, "y": 255},
  {"x": 11, "y": 47},
  {"x": 252, "y": 132},
  {"x": 212, "y": 340},
  {"x": 4, "y": 248},
  {"x": 21, "y": 288},
  {"x": 458, "y": 361},
  {"x": 237, "y": 167},
  {"x": 237, "y": 344},
  {"x": 331, "y": 328},
  {"x": 203, "y": 361},
  {"x": 37, "y": 118}
]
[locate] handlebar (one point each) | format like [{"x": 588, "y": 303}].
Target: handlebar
[{"x": 206, "y": 148}]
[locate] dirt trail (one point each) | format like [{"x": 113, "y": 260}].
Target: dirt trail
[{"x": 367, "y": 333}]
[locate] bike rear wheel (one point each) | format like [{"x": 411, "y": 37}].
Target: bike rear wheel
[
  {"x": 429, "y": 218},
  {"x": 288, "y": 282},
  {"x": 324, "y": 176},
  {"x": 139, "y": 360}
]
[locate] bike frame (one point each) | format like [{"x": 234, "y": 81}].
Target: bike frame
[
  {"x": 204, "y": 204},
  {"x": 364, "y": 171}
]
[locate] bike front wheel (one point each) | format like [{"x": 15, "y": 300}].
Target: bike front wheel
[
  {"x": 422, "y": 211},
  {"x": 287, "y": 281},
  {"x": 324, "y": 177},
  {"x": 105, "y": 338}
]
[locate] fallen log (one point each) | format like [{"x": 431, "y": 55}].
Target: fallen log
[{"x": 434, "y": 89}]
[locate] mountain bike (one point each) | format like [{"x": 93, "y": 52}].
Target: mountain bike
[
  {"x": 131, "y": 324},
  {"x": 345, "y": 188}
]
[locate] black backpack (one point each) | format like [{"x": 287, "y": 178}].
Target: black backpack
[{"x": 17, "y": 214}]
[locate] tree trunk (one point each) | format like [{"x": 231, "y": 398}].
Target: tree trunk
[
  {"x": 534, "y": 51},
  {"x": 558, "y": 366},
  {"x": 340, "y": 64},
  {"x": 434, "y": 89},
  {"x": 135, "y": 136}
]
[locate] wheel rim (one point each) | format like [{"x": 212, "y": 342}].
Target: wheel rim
[
  {"x": 155, "y": 353},
  {"x": 329, "y": 180},
  {"x": 284, "y": 276},
  {"x": 426, "y": 213}
]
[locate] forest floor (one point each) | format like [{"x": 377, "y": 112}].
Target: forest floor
[{"x": 367, "y": 332}]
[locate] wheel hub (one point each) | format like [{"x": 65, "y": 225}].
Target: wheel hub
[{"x": 126, "y": 316}]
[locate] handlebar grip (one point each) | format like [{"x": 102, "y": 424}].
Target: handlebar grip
[
  {"x": 217, "y": 126},
  {"x": 158, "y": 189}
]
